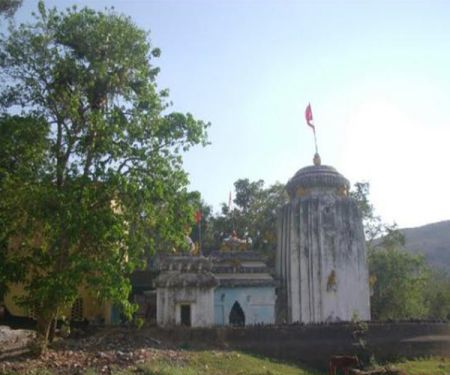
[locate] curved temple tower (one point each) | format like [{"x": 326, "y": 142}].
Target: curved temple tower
[{"x": 321, "y": 256}]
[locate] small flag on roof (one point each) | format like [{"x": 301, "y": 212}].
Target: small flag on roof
[{"x": 309, "y": 116}]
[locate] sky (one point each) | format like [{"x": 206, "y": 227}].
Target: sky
[{"x": 377, "y": 75}]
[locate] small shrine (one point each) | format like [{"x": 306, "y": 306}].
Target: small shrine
[
  {"x": 226, "y": 288},
  {"x": 185, "y": 292}
]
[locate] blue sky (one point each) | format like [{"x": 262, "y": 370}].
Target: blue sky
[{"x": 377, "y": 74}]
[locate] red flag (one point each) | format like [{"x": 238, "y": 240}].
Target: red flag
[
  {"x": 198, "y": 217},
  {"x": 309, "y": 116}
]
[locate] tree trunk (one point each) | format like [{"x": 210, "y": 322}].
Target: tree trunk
[
  {"x": 52, "y": 331},
  {"x": 44, "y": 323}
]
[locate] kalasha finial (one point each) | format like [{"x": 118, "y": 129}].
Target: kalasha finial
[{"x": 316, "y": 159}]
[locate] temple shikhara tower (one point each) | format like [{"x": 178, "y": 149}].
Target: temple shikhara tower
[{"x": 321, "y": 256}]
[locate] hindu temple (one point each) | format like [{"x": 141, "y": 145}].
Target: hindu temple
[{"x": 321, "y": 256}]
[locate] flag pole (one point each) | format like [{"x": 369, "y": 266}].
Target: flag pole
[
  {"x": 200, "y": 237},
  {"x": 315, "y": 142},
  {"x": 198, "y": 220},
  {"x": 316, "y": 159}
]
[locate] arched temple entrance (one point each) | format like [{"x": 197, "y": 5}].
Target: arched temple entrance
[{"x": 237, "y": 316}]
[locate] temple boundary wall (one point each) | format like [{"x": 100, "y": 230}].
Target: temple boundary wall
[{"x": 314, "y": 344}]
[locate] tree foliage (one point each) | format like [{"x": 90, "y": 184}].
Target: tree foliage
[
  {"x": 104, "y": 182},
  {"x": 399, "y": 284},
  {"x": 437, "y": 294},
  {"x": 23, "y": 145},
  {"x": 9, "y": 7},
  {"x": 256, "y": 211},
  {"x": 374, "y": 227},
  {"x": 403, "y": 284},
  {"x": 252, "y": 216}
]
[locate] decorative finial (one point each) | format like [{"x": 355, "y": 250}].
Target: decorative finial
[{"x": 316, "y": 159}]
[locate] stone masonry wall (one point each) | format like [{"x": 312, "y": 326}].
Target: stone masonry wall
[{"x": 313, "y": 345}]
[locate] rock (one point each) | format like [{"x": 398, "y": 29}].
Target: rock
[
  {"x": 101, "y": 355},
  {"x": 154, "y": 341}
]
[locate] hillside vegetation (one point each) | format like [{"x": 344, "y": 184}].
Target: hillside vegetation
[{"x": 432, "y": 240}]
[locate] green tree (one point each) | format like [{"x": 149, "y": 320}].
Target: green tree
[
  {"x": 374, "y": 227},
  {"x": 399, "y": 284},
  {"x": 23, "y": 145},
  {"x": 437, "y": 294},
  {"x": 247, "y": 194},
  {"x": 254, "y": 215},
  {"x": 263, "y": 217},
  {"x": 9, "y": 7},
  {"x": 109, "y": 183},
  {"x": 398, "y": 278}
]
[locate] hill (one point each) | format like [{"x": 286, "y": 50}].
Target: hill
[{"x": 433, "y": 240}]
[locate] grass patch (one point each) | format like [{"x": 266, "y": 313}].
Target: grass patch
[
  {"x": 221, "y": 363},
  {"x": 237, "y": 363},
  {"x": 426, "y": 366}
]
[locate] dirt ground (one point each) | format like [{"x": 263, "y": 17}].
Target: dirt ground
[
  {"x": 14, "y": 341},
  {"x": 101, "y": 349}
]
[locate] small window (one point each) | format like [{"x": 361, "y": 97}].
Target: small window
[{"x": 185, "y": 312}]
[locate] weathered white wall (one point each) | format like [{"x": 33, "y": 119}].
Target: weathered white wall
[
  {"x": 321, "y": 259},
  {"x": 169, "y": 301},
  {"x": 258, "y": 304}
]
